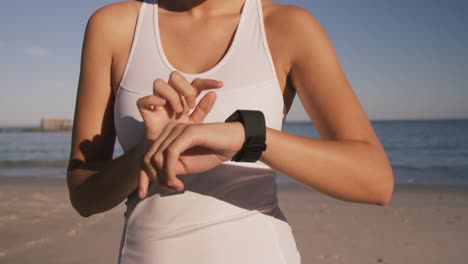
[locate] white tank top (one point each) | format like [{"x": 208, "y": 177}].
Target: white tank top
[{"x": 249, "y": 82}]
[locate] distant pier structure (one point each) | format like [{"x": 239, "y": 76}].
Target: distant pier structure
[{"x": 56, "y": 124}]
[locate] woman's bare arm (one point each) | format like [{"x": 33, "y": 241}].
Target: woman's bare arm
[
  {"x": 96, "y": 182},
  {"x": 348, "y": 162}
]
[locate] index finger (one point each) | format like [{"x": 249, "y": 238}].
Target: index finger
[
  {"x": 190, "y": 91},
  {"x": 202, "y": 84}
]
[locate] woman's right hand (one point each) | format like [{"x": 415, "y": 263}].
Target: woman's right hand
[{"x": 170, "y": 103}]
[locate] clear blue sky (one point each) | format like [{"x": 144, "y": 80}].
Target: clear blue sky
[{"x": 404, "y": 59}]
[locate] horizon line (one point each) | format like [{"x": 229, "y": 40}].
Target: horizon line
[{"x": 306, "y": 121}]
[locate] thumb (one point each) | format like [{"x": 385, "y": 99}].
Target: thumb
[
  {"x": 203, "y": 108},
  {"x": 147, "y": 106}
]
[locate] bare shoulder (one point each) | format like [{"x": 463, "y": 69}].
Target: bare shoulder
[
  {"x": 113, "y": 21},
  {"x": 118, "y": 12},
  {"x": 291, "y": 26},
  {"x": 289, "y": 19},
  {"x": 110, "y": 29},
  {"x": 285, "y": 12}
]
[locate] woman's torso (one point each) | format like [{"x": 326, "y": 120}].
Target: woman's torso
[
  {"x": 249, "y": 82},
  {"x": 235, "y": 199}
]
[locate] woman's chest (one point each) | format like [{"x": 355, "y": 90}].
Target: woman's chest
[{"x": 194, "y": 57}]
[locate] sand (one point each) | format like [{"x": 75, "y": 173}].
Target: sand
[{"x": 422, "y": 224}]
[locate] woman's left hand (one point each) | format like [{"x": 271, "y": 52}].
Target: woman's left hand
[{"x": 192, "y": 148}]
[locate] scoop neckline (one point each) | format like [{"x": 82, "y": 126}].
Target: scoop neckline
[{"x": 220, "y": 63}]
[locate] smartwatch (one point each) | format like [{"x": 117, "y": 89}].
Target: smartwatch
[{"x": 255, "y": 134}]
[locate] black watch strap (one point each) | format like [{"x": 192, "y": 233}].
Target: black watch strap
[{"x": 255, "y": 134}]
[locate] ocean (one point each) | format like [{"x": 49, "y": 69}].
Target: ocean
[{"x": 420, "y": 151}]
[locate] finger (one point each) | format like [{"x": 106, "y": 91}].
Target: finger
[
  {"x": 149, "y": 103},
  {"x": 148, "y": 168},
  {"x": 148, "y": 165},
  {"x": 147, "y": 159},
  {"x": 186, "y": 140},
  {"x": 203, "y": 108},
  {"x": 160, "y": 158},
  {"x": 143, "y": 184},
  {"x": 164, "y": 90},
  {"x": 156, "y": 159},
  {"x": 204, "y": 84},
  {"x": 180, "y": 168},
  {"x": 181, "y": 85},
  {"x": 185, "y": 106},
  {"x": 149, "y": 108}
]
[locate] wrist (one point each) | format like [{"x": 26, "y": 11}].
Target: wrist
[{"x": 239, "y": 134}]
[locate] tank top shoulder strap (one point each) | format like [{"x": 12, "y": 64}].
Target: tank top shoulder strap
[
  {"x": 252, "y": 50},
  {"x": 143, "y": 55},
  {"x": 265, "y": 46}
]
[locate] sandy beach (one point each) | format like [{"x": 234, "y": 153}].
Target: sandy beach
[{"x": 422, "y": 224}]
